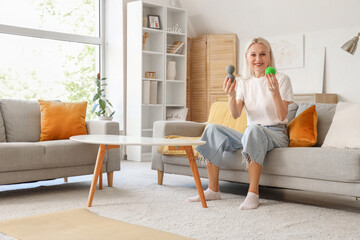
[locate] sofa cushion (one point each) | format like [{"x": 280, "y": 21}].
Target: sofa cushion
[
  {"x": 319, "y": 163},
  {"x": 220, "y": 114},
  {"x": 303, "y": 129},
  {"x": 316, "y": 163},
  {"x": 21, "y": 156},
  {"x": 325, "y": 113},
  {"x": 60, "y": 120},
  {"x": 344, "y": 130},
  {"x": 2, "y": 128},
  {"x": 21, "y": 120},
  {"x": 67, "y": 153},
  {"x": 292, "y": 111}
]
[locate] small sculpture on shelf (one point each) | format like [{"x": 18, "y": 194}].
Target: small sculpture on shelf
[
  {"x": 151, "y": 75},
  {"x": 145, "y": 36},
  {"x": 175, "y": 29}
]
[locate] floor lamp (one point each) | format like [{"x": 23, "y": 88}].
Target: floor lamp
[{"x": 350, "y": 46}]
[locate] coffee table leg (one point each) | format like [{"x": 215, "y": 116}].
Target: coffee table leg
[
  {"x": 97, "y": 169},
  {"x": 100, "y": 178},
  {"x": 195, "y": 172}
]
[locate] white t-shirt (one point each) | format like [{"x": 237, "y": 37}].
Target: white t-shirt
[{"x": 257, "y": 98}]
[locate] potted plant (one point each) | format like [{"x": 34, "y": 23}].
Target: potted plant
[{"x": 102, "y": 106}]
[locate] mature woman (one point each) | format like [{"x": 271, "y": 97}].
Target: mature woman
[{"x": 266, "y": 99}]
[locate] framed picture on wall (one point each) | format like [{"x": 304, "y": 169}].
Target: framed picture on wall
[{"x": 154, "y": 21}]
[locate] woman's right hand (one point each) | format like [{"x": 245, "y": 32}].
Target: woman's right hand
[{"x": 229, "y": 87}]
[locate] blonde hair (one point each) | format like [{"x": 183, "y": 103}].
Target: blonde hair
[{"x": 247, "y": 71}]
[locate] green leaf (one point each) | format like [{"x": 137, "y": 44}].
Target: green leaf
[
  {"x": 102, "y": 104},
  {"x": 112, "y": 114},
  {"x": 109, "y": 103},
  {"x": 96, "y": 96}
]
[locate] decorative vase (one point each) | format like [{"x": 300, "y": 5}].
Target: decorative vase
[
  {"x": 104, "y": 118},
  {"x": 171, "y": 70}
]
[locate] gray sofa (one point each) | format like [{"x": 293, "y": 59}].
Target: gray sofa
[
  {"x": 24, "y": 158},
  {"x": 318, "y": 169}
]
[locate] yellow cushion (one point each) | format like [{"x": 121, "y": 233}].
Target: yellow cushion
[
  {"x": 219, "y": 114},
  {"x": 61, "y": 120},
  {"x": 165, "y": 149},
  {"x": 303, "y": 129}
]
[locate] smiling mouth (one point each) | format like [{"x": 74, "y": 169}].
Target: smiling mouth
[{"x": 258, "y": 64}]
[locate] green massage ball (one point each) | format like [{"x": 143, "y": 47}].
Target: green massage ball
[{"x": 270, "y": 70}]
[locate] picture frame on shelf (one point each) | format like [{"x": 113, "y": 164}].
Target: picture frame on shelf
[{"x": 154, "y": 21}]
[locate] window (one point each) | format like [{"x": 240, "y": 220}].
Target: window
[
  {"x": 68, "y": 16},
  {"x": 52, "y": 51}
]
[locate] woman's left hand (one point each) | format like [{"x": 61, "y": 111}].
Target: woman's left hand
[{"x": 273, "y": 83}]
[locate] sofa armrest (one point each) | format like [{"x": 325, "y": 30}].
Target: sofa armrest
[
  {"x": 112, "y": 156},
  {"x": 102, "y": 127},
  {"x": 181, "y": 128},
  {"x": 165, "y": 128}
]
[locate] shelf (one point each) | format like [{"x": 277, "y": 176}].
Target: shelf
[
  {"x": 153, "y": 30},
  {"x": 176, "y": 33},
  {"x": 175, "y": 81},
  {"x": 175, "y": 105},
  {"x": 151, "y": 105},
  {"x": 147, "y": 130},
  {"x": 175, "y": 9},
  {"x": 152, "y": 53},
  {"x": 153, "y": 79},
  {"x": 148, "y": 91},
  {"x": 175, "y": 55}
]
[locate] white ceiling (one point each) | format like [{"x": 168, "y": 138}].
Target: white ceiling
[{"x": 251, "y": 18}]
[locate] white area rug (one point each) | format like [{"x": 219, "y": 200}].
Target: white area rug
[{"x": 136, "y": 198}]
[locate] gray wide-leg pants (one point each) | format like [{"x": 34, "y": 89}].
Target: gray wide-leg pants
[{"x": 255, "y": 142}]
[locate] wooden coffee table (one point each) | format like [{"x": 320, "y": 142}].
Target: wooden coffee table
[{"x": 114, "y": 141}]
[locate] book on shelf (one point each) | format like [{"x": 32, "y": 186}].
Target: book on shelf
[
  {"x": 175, "y": 47},
  {"x": 153, "y": 92},
  {"x": 146, "y": 92}
]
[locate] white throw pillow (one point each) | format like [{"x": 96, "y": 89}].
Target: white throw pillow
[{"x": 344, "y": 131}]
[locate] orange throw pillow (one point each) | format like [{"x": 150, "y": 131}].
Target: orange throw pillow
[
  {"x": 61, "y": 120},
  {"x": 303, "y": 129}
]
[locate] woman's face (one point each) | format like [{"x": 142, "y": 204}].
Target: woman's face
[{"x": 258, "y": 58}]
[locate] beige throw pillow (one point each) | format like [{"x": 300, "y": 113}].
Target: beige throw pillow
[{"x": 344, "y": 131}]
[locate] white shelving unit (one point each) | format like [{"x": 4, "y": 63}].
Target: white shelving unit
[{"x": 170, "y": 94}]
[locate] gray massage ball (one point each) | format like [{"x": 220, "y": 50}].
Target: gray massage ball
[{"x": 230, "y": 69}]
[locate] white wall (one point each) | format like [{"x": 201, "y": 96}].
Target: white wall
[{"x": 324, "y": 23}]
